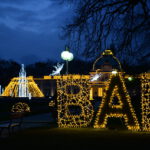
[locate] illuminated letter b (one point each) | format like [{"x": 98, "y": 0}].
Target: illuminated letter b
[{"x": 74, "y": 107}]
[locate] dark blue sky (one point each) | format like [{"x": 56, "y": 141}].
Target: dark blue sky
[{"x": 30, "y": 29}]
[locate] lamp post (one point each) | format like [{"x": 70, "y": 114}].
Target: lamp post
[{"x": 67, "y": 56}]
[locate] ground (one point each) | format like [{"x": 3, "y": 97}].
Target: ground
[
  {"x": 48, "y": 135},
  {"x": 77, "y": 138}
]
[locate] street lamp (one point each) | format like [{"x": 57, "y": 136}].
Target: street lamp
[{"x": 67, "y": 56}]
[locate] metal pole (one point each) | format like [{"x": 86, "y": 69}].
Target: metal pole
[{"x": 66, "y": 66}]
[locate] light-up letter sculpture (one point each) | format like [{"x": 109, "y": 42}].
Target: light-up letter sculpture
[
  {"x": 116, "y": 88},
  {"x": 145, "y": 86},
  {"x": 74, "y": 107}
]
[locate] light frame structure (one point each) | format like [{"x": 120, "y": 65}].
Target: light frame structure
[
  {"x": 145, "y": 101},
  {"x": 125, "y": 110},
  {"x": 13, "y": 88},
  {"x": 80, "y": 99}
]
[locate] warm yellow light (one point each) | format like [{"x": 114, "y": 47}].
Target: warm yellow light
[
  {"x": 20, "y": 107},
  {"x": 130, "y": 78},
  {"x": 145, "y": 96},
  {"x": 114, "y": 72},
  {"x": 13, "y": 88},
  {"x": 80, "y": 98},
  {"x": 124, "y": 109},
  {"x": 107, "y": 52},
  {"x": 100, "y": 92}
]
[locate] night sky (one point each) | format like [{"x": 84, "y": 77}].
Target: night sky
[{"x": 30, "y": 29}]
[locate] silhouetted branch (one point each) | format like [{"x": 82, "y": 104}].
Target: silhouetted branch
[{"x": 99, "y": 22}]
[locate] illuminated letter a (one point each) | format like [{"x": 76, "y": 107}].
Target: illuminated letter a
[{"x": 116, "y": 88}]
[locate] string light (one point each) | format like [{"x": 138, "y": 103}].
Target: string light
[
  {"x": 114, "y": 72},
  {"x": 145, "y": 96},
  {"x": 51, "y": 103},
  {"x": 20, "y": 107},
  {"x": 67, "y": 96},
  {"x": 13, "y": 88},
  {"x": 116, "y": 87},
  {"x": 115, "y": 93},
  {"x": 107, "y": 53}
]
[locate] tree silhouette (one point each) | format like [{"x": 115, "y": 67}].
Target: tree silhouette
[
  {"x": 99, "y": 23},
  {"x": 8, "y": 70}
]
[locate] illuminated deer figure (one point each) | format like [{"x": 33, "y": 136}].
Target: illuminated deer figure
[{"x": 57, "y": 70}]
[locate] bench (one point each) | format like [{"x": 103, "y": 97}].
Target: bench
[{"x": 15, "y": 120}]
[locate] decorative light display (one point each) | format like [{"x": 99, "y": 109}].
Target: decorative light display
[
  {"x": 58, "y": 68},
  {"x": 13, "y": 88},
  {"x": 73, "y": 91},
  {"x": 106, "y": 53},
  {"x": 20, "y": 107},
  {"x": 117, "y": 95},
  {"x": 116, "y": 87},
  {"x": 130, "y": 78},
  {"x": 23, "y": 89},
  {"x": 51, "y": 103},
  {"x": 95, "y": 77},
  {"x": 114, "y": 72},
  {"x": 145, "y": 93},
  {"x": 66, "y": 55}
]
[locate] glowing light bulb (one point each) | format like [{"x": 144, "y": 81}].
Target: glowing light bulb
[
  {"x": 66, "y": 55},
  {"x": 114, "y": 72},
  {"x": 130, "y": 78}
]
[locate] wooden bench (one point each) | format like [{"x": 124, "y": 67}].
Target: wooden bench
[{"x": 15, "y": 120}]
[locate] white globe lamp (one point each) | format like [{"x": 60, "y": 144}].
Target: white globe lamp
[
  {"x": 70, "y": 57},
  {"x": 67, "y": 56}
]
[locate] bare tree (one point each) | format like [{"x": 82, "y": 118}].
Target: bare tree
[{"x": 98, "y": 24}]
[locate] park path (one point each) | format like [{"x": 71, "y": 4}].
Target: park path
[
  {"x": 32, "y": 121},
  {"x": 37, "y": 120}
]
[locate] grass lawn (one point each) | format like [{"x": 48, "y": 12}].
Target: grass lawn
[{"x": 76, "y": 138}]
